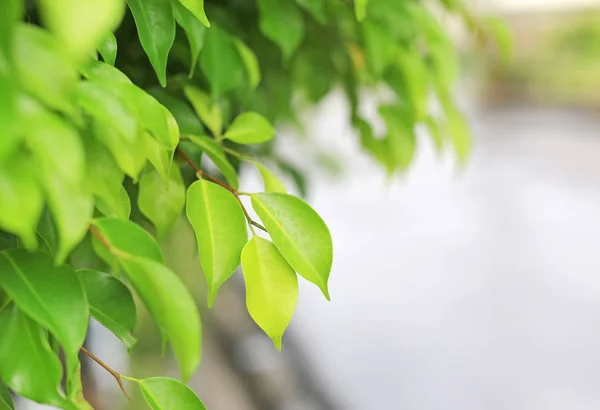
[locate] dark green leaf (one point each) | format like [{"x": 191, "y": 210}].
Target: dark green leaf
[
  {"x": 271, "y": 287},
  {"x": 194, "y": 30},
  {"x": 111, "y": 303},
  {"x": 221, "y": 233},
  {"x": 316, "y": 8},
  {"x": 6, "y": 402},
  {"x": 214, "y": 151},
  {"x": 163, "y": 393},
  {"x": 34, "y": 283},
  {"x": 29, "y": 366},
  {"x": 299, "y": 233},
  {"x": 156, "y": 30},
  {"x": 250, "y": 62},
  {"x": 220, "y": 62},
  {"x": 282, "y": 23},
  {"x": 187, "y": 120}
]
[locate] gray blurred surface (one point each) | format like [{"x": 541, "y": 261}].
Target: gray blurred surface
[{"x": 463, "y": 289}]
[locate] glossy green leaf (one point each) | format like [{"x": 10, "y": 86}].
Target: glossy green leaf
[
  {"x": 221, "y": 233},
  {"x": 271, "y": 287},
  {"x": 158, "y": 156},
  {"x": 156, "y": 30},
  {"x": 207, "y": 110},
  {"x": 43, "y": 68},
  {"x": 299, "y": 233},
  {"x": 214, "y": 151},
  {"x": 197, "y": 8},
  {"x": 105, "y": 105},
  {"x": 6, "y": 402},
  {"x": 360, "y": 8},
  {"x": 194, "y": 30},
  {"x": 250, "y": 128},
  {"x": 187, "y": 120},
  {"x": 161, "y": 204},
  {"x": 22, "y": 200},
  {"x": 129, "y": 238},
  {"x": 79, "y": 25},
  {"x": 162, "y": 393},
  {"x": 250, "y": 62},
  {"x": 282, "y": 23},
  {"x": 108, "y": 48},
  {"x": 111, "y": 303},
  {"x": 220, "y": 62},
  {"x": 163, "y": 293},
  {"x": 316, "y": 8},
  {"x": 103, "y": 72},
  {"x": 272, "y": 183},
  {"x": 29, "y": 366},
  {"x": 72, "y": 206},
  {"x": 33, "y": 282}
]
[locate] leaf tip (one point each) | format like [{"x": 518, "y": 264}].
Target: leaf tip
[
  {"x": 325, "y": 291},
  {"x": 277, "y": 342},
  {"x": 212, "y": 294}
]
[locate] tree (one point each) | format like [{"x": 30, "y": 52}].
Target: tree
[{"x": 84, "y": 138}]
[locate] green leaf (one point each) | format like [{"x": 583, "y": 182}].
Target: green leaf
[
  {"x": 29, "y": 366},
  {"x": 271, "y": 287},
  {"x": 282, "y": 23},
  {"x": 9, "y": 13},
  {"x": 102, "y": 72},
  {"x": 435, "y": 133},
  {"x": 130, "y": 156},
  {"x": 111, "y": 303},
  {"x": 221, "y": 233},
  {"x": 108, "y": 48},
  {"x": 400, "y": 140},
  {"x": 272, "y": 183},
  {"x": 209, "y": 112},
  {"x": 416, "y": 80},
  {"x": 80, "y": 25},
  {"x": 460, "y": 134},
  {"x": 22, "y": 200},
  {"x": 53, "y": 141},
  {"x": 502, "y": 36},
  {"x": 161, "y": 204},
  {"x": 44, "y": 71},
  {"x": 158, "y": 156},
  {"x": 75, "y": 390},
  {"x": 194, "y": 30},
  {"x": 299, "y": 233},
  {"x": 33, "y": 282},
  {"x": 214, "y": 151},
  {"x": 129, "y": 238},
  {"x": 105, "y": 105},
  {"x": 380, "y": 46},
  {"x": 156, "y": 30},
  {"x": 187, "y": 120},
  {"x": 250, "y": 62},
  {"x": 316, "y": 8},
  {"x": 72, "y": 206},
  {"x": 163, "y": 393},
  {"x": 197, "y": 8},
  {"x": 360, "y": 8},
  {"x": 6, "y": 402},
  {"x": 250, "y": 128},
  {"x": 163, "y": 293},
  {"x": 220, "y": 62}
]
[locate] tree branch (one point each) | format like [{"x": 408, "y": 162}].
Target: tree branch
[{"x": 106, "y": 367}]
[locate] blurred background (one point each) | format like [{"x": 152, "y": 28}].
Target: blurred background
[{"x": 468, "y": 288}]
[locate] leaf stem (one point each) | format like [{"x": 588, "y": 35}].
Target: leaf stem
[
  {"x": 202, "y": 174},
  {"x": 113, "y": 373}
]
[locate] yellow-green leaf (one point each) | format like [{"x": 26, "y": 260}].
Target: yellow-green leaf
[
  {"x": 272, "y": 183},
  {"x": 197, "y": 8},
  {"x": 299, "y": 233},
  {"x": 271, "y": 287},
  {"x": 194, "y": 31},
  {"x": 360, "y": 8},
  {"x": 221, "y": 233},
  {"x": 108, "y": 48},
  {"x": 250, "y": 128},
  {"x": 207, "y": 110},
  {"x": 214, "y": 151},
  {"x": 162, "y": 393}
]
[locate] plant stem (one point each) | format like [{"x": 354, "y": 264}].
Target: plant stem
[{"x": 106, "y": 367}]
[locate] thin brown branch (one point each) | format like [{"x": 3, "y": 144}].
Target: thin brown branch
[{"x": 106, "y": 367}]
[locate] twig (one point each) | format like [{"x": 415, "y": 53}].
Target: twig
[{"x": 106, "y": 367}]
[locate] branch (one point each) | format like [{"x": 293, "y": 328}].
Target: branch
[{"x": 106, "y": 367}]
